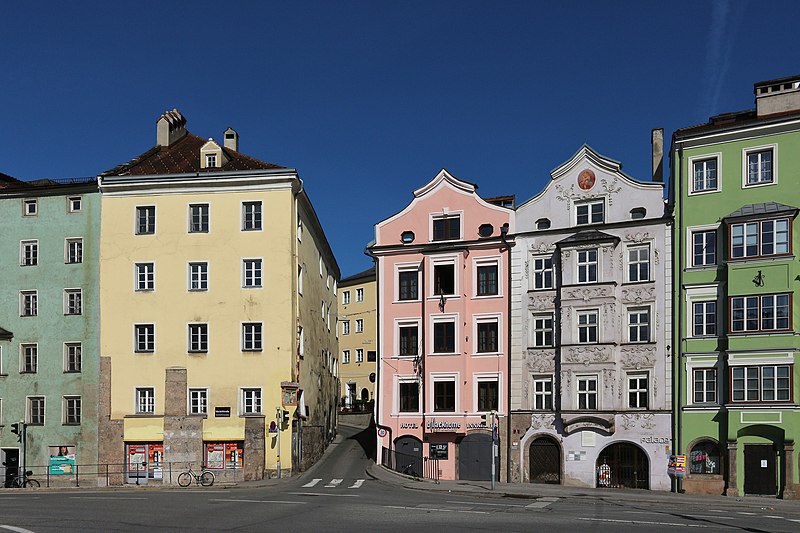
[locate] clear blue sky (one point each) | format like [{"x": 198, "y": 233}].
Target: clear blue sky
[{"x": 369, "y": 99}]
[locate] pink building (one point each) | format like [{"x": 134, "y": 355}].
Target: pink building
[{"x": 443, "y": 329}]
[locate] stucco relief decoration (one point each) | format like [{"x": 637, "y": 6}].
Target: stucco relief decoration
[
  {"x": 638, "y": 357},
  {"x": 539, "y": 361},
  {"x": 566, "y": 381},
  {"x": 525, "y": 391},
  {"x": 609, "y": 251},
  {"x": 611, "y": 188},
  {"x": 611, "y": 313},
  {"x": 566, "y": 313},
  {"x": 639, "y": 236},
  {"x": 638, "y": 295},
  {"x": 656, "y": 256},
  {"x": 608, "y": 380},
  {"x": 586, "y": 293},
  {"x": 586, "y": 179},
  {"x": 587, "y": 355},
  {"x": 644, "y": 420},
  {"x": 540, "y": 248},
  {"x": 542, "y": 421},
  {"x": 541, "y": 303}
]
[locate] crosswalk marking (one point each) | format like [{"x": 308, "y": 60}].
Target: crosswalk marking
[
  {"x": 333, "y": 483},
  {"x": 312, "y": 482},
  {"x": 357, "y": 484}
]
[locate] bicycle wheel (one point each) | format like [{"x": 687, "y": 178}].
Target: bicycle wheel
[
  {"x": 185, "y": 479},
  {"x": 207, "y": 479},
  {"x": 32, "y": 483}
]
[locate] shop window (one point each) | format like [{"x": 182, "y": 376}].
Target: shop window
[
  {"x": 705, "y": 458},
  {"x": 224, "y": 455}
]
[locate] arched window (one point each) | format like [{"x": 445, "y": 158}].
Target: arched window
[
  {"x": 543, "y": 223},
  {"x": 705, "y": 458},
  {"x": 638, "y": 212}
]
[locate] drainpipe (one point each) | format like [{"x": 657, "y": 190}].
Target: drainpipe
[
  {"x": 379, "y": 356},
  {"x": 677, "y": 352},
  {"x": 421, "y": 355},
  {"x": 503, "y": 235}
]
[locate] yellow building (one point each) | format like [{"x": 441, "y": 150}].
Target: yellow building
[
  {"x": 358, "y": 339},
  {"x": 216, "y": 340}
]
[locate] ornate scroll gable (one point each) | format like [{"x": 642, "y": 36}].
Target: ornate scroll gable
[
  {"x": 638, "y": 295},
  {"x": 587, "y": 293},
  {"x": 543, "y": 421},
  {"x": 543, "y": 362},
  {"x": 570, "y": 194},
  {"x": 638, "y": 357},
  {"x": 630, "y": 421},
  {"x": 587, "y": 355}
]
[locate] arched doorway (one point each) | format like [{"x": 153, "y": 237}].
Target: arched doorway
[
  {"x": 408, "y": 456},
  {"x": 364, "y": 395},
  {"x": 475, "y": 458},
  {"x": 623, "y": 465},
  {"x": 544, "y": 460}
]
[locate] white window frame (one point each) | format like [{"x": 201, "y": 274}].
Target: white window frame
[
  {"x": 586, "y": 264},
  {"x": 535, "y": 269},
  {"x": 204, "y": 214},
  {"x": 256, "y": 331},
  {"x": 301, "y": 342},
  {"x": 144, "y": 276},
  {"x": 301, "y": 270},
  {"x": 73, "y": 250},
  {"x": 543, "y": 394},
  {"x": 345, "y": 297},
  {"x": 630, "y": 312},
  {"x": 496, "y": 262},
  {"x": 29, "y": 301},
  {"x": 717, "y": 157},
  {"x": 252, "y": 220},
  {"x": 406, "y": 267},
  {"x": 359, "y": 355},
  {"x": 147, "y": 227},
  {"x": 30, "y": 207},
  {"x": 147, "y": 333},
  {"x": 359, "y": 325},
  {"x": 483, "y": 377},
  {"x": 435, "y": 319},
  {"x": 745, "y": 167},
  {"x": 487, "y": 318},
  {"x": 144, "y": 400},
  {"x": 436, "y": 377},
  {"x": 588, "y": 325},
  {"x": 34, "y": 357},
  {"x": 444, "y": 215},
  {"x": 253, "y": 278},
  {"x": 33, "y": 246},
  {"x": 74, "y": 204},
  {"x": 629, "y": 261},
  {"x": 73, "y": 296},
  {"x": 690, "y": 233},
  {"x": 211, "y": 160},
  {"x": 29, "y": 400},
  {"x": 198, "y": 269},
  {"x": 197, "y": 337},
  {"x": 73, "y": 351},
  {"x": 198, "y": 400},
  {"x": 705, "y": 392},
  {"x": 534, "y": 329},
  {"x": 345, "y": 357},
  {"x": 400, "y": 323},
  {"x": 68, "y": 408},
  {"x": 587, "y": 378},
  {"x": 251, "y": 395},
  {"x": 345, "y": 327},
  {"x": 705, "y": 325},
  {"x": 637, "y": 376},
  {"x": 398, "y": 380},
  {"x": 589, "y": 212},
  {"x": 443, "y": 260},
  {"x": 360, "y": 294}
]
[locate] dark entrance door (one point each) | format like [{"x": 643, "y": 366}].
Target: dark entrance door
[
  {"x": 408, "y": 456},
  {"x": 11, "y": 464},
  {"x": 475, "y": 458},
  {"x": 545, "y": 461},
  {"x": 623, "y": 465},
  {"x": 760, "y": 472}
]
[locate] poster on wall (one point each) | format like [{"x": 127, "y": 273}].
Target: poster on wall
[
  {"x": 156, "y": 455},
  {"x": 137, "y": 457},
  {"x": 215, "y": 455},
  {"x": 62, "y": 460},
  {"x": 233, "y": 455}
]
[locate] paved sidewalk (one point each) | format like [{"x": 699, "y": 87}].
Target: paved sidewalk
[{"x": 534, "y": 491}]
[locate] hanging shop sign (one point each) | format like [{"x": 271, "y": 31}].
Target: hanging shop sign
[
  {"x": 438, "y": 450},
  {"x": 289, "y": 393}
]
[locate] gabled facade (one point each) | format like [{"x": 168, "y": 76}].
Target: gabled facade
[
  {"x": 442, "y": 270},
  {"x": 218, "y": 309},
  {"x": 358, "y": 343},
  {"x": 49, "y": 316},
  {"x": 590, "y": 303},
  {"x": 735, "y": 200}
]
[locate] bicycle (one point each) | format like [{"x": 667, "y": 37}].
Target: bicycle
[
  {"x": 23, "y": 481},
  {"x": 409, "y": 470},
  {"x": 204, "y": 478}
]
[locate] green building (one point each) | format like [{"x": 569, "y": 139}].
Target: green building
[
  {"x": 49, "y": 320},
  {"x": 735, "y": 192}
]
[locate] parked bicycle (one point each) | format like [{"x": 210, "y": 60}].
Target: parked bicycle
[
  {"x": 24, "y": 481},
  {"x": 409, "y": 470},
  {"x": 204, "y": 478}
]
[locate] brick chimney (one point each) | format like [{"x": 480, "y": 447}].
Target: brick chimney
[
  {"x": 231, "y": 139},
  {"x": 657, "y": 142},
  {"x": 170, "y": 127},
  {"x": 777, "y": 96}
]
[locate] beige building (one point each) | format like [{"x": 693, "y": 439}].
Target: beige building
[{"x": 357, "y": 338}]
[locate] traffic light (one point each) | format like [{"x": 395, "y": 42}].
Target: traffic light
[
  {"x": 284, "y": 416},
  {"x": 16, "y": 429}
]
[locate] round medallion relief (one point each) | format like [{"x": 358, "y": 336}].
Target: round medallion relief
[{"x": 586, "y": 179}]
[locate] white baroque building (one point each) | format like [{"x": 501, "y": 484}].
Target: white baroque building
[{"x": 590, "y": 369}]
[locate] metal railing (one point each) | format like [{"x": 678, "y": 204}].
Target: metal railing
[{"x": 410, "y": 465}]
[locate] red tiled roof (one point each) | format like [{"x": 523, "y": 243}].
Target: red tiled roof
[
  {"x": 8, "y": 181},
  {"x": 183, "y": 156}
]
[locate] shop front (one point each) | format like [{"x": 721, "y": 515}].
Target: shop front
[
  {"x": 225, "y": 459},
  {"x": 145, "y": 462}
]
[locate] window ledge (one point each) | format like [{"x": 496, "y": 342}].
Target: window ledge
[
  {"x": 254, "y": 350},
  {"x": 197, "y": 352},
  {"x": 143, "y": 415},
  {"x": 73, "y": 424},
  {"x": 645, "y": 282},
  {"x": 252, "y": 415},
  {"x": 144, "y": 351}
]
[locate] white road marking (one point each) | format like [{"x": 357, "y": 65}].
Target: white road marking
[
  {"x": 432, "y": 509},
  {"x": 772, "y": 516},
  {"x": 748, "y": 514},
  {"x": 640, "y": 522},
  {"x": 541, "y": 503},
  {"x": 16, "y": 529},
  {"x": 713, "y": 517},
  {"x": 259, "y": 501},
  {"x": 357, "y": 484},
  {"x": 793, "y": 520},
  {"x": 493, "y": 504},
  {"x": 107, "y": 498},
  {"x": 333, "y": 483},
  {"x": 312, "y": 482},
  {"x": 337, "y": 494}
]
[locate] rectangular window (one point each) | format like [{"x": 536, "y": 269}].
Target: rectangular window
[
  {"x": 72, "y": 410},
  {"x": 372, "y": 356},
  {"x": 589, "y": 213},
  {"x": 704, "y": 319},
  {"x": 763, "y": 238},
  {"x": 444, "y": 396},
  {"x": 488, "y": 395},
  {"x": 28, "y": 303},
  {"x": 345, "y": 357},
  {"x": 446, "y": 228},
  {"x": 444, "y": 337},
  {"x": 408, "y": 285},
  {"x": 359, "y": 295},
  {"x": 252, "y": 273},
  {"x": 251, "y": 216},
  {"x": 198, "y": 276},
  {"x": 74, "y": 204},
  {"x": 73, "y": 252},
  {"x": 542, "y": 273},
  {"x": 359, "y": 355},
  {"x": 409, "y": 396},
  {"x": 444, "y": 278},
  {"x": 639, "y": 263},
  {"x": 251, "y": 401},
  {"x": 759, "y": 167},
  {"x": 145, "y": 220},
  {"x": 29, "y": 358},
  {"x": 487, "y": 280},
  {"x": 145, "y": 337},
  {"x": 145, "y": 400},
  {"x": 637, "y": 391},
  {"x": 587, "y": 266},
  {"x": 36, "y": 410},
  {"x": 30, "y": 208},
  {"x": 211, "y": 160},
  {"x": 587, "y": 393},
  {"x": 409, "y": 339},
  {"x": 771, "y": 383},
  {"x": 639, "y": 325},
  {"x": 359, "y": 325},
  {"x": 705, "y": 385},
  {"x": 198, "y": 218},
  {"x": 768, "y": 312},
  {"x": 542, "y": 331},
  {"x": 251, "y": 337},
  {"x": 705, "y": 175},
  {"x": 345, "y": 327},
  {"x": 704, "y": 248},
  {"x": 198, "y": 337},
  {"x": 29, "y": 253},
  {"x": 587, "y": 326},
  {"x": 145, "y": 276},
  {"x": 543, "y": 393},
  {"x": 488, "y": 336},
  {"x": 198, "y": 401},
  {"x": 73, "y": 301},
  {"x": 346, "y": 297},
  {"x": 72, "y": 356}
]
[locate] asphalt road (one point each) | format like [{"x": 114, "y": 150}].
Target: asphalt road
[{"x": 338, "y": 495}]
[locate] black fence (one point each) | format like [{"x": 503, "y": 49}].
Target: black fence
[
  {"x": 410, "y": 465},
  {"x": 358, "y": 406}
]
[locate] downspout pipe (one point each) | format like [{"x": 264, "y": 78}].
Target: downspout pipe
[
  {"x": 677, "y": 352},
  {"x": 379, "y": 357},
  {"x": 503, "y": 235}
]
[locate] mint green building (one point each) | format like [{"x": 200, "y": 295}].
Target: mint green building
[
  {"x": 49, "y": 321},
  {"x": 735, "y": 193}
]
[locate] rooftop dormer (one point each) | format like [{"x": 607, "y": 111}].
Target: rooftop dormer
[{"x": 212, "y": 155}]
